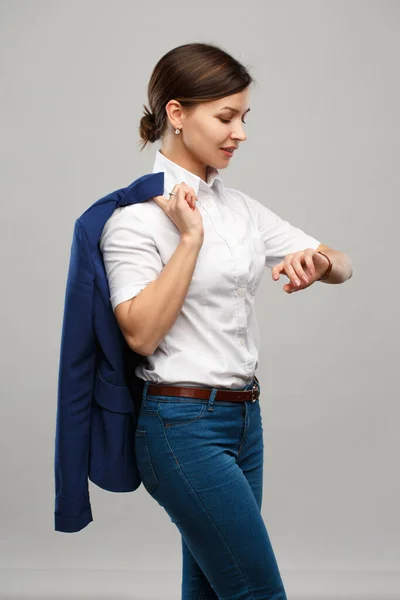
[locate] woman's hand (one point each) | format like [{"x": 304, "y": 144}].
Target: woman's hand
[
  {"x": 305, "y": 266},
  {"x": 182, "y": 210}
]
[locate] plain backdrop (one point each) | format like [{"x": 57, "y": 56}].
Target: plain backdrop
[{"x": 322, "y": 151}]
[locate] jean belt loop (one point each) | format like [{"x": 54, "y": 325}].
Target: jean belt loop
[
  {"x": 210, "y": 404},
  {"x": 144, "y": 396}
]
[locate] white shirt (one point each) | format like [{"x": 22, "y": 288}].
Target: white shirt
[{"x": 215, "y": 339}]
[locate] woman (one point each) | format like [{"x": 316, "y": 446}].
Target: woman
[{"x": 183, "y": 270}]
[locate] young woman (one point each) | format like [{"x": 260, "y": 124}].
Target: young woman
[{"x": 183, "y": 270}]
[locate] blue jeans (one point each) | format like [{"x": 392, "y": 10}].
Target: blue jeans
[{"x": 202, "y": 461}]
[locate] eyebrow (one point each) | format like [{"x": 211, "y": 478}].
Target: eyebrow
[{"x": 235, "y": 110}]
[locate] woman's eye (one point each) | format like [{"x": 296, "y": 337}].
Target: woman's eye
[{"x": 228, "y": 121}]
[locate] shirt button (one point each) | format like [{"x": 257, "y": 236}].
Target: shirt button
[
  {"x": 241, "y": 291},
  {"x": 241, "y": 341}
]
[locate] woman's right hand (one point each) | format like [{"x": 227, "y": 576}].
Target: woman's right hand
[{"x": 182, "y": 211}]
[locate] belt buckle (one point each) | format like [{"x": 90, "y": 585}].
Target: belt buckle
[{"x": 253, "y": 392}]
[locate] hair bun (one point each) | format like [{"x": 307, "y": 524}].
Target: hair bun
[{"x": 149, "y": 116}]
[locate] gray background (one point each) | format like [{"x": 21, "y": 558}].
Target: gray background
[{"x": 323, "y": 152}]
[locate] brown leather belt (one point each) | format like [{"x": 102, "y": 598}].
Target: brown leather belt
[{"x": 204, "y": 393}]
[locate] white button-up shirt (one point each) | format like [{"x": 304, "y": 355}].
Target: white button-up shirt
[{"x": 215, "y": 339}]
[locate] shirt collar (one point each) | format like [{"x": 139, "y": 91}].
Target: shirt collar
[{"x": 174, "y": 173}]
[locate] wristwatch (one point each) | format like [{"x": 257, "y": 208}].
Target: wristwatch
[{"x": 329, "y": 267}]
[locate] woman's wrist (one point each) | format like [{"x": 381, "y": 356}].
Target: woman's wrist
[{"x": 329, "y": 267}]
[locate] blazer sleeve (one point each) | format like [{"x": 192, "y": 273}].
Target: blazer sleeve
[{"x": 75, "y": 386}]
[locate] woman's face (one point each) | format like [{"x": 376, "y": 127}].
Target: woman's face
[{"x": 209, "y": 127}]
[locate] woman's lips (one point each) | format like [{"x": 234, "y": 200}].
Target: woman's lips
[{"x": 227, "y": 154}]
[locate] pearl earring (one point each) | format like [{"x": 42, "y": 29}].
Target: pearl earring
[{"x": 177, "y": 131}]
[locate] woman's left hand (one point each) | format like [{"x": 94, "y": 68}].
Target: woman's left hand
[{"x": 305, "y": 266}]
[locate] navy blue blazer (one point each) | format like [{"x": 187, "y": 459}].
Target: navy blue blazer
[{"x": 99, "y": 395}]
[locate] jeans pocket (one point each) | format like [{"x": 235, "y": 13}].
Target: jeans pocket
[
  {"x": 181, "y": 411},
  {"x": 143, "y": 461},
  {"x": 150, "y": 408}
]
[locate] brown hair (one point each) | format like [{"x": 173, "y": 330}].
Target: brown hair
[{"x": 190, "y": 74}]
